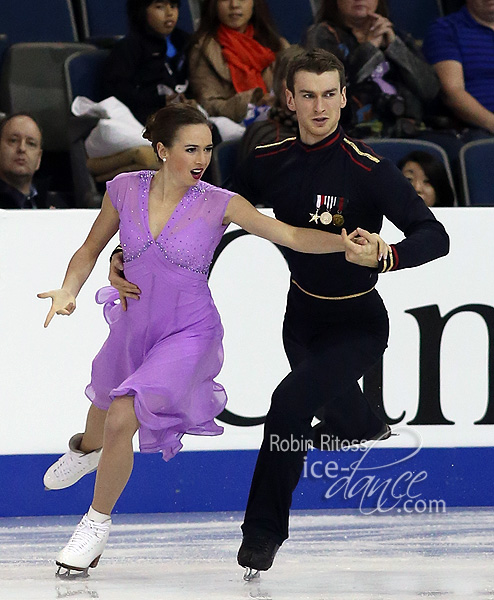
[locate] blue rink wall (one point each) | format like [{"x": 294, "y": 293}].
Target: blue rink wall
[{"x": 377, "y": 480}]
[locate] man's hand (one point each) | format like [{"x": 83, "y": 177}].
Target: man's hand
[
  {"x": 125, "y": 288},
  {"x": 364, "y": 248}
]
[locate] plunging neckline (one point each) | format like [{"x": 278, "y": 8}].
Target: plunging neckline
[{"x": 172, "y": 215}]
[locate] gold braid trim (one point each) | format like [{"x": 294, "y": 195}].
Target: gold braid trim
[
  {"x": 332, "y": 297},
  {"x": 358, "y": 151},
  {"x": 276, "y": 143}
]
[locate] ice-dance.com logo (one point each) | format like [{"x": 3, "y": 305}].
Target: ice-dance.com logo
[{"x": 375, "y": 483}]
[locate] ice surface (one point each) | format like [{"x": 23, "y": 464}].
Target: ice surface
[{"x": 331, "y": 555}]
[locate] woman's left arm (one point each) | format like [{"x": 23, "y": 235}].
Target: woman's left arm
[{"x": 311, "y": 241}]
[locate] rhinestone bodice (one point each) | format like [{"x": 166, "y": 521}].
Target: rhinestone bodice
[{"x": 190, "y": 236}]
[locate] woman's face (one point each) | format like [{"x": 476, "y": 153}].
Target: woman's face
[
  {"x": 162, "y": 16},
  {"x": 355, "y": 10},
  {"x": 416, "y": 176},
  {"x": 235, "y": 14},
  {"x": 190, "y": 154}
]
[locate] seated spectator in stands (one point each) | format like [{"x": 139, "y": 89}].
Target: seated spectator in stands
[
  {"x": 429, "y": 178},
  {"x": 20, "y": 158},
  {"x": 281, "y": 122},
  {"x": 232, "y": 56},
  {"x": 461, "y": 48},
  {"x": 389, "y": 84},
  {"x": 147, "y": 69}
]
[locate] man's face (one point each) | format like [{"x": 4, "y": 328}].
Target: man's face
[
  {"x": 482, "y": 9},
  {"x": 20, "y": 148},
  {"x": 317, "y": 101}
]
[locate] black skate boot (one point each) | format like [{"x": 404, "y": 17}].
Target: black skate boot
[{"x": 256, "y": 554}]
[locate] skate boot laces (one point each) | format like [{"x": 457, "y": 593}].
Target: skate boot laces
[
  {"x": 83, "y": 537},
  {"x": 72, "y": 466}
]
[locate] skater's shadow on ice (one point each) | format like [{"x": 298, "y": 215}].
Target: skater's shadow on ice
[
  {"x": 75, "y": 590},
  {"x": 257, "y": 590}
]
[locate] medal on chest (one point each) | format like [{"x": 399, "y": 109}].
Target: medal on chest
[{"x": 328, "y": 210}]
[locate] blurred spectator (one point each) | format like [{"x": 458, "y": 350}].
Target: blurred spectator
[
  {"x": 232, "y": 56},
  {"x": 389, "y": 82},
  {"x": 429, "y": 178},
  {"x": 461, "y": 48},
  {"x": 281, "y": 122},
  {"x": 148, "y": 68},
  {"x": 20, "y": 158}
]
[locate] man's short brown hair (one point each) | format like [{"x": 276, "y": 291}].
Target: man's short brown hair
[{"x": 316, "y": 61}]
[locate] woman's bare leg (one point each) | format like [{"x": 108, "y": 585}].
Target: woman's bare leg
[
  {"x": 117, "y": 457},
  {"x": 95, "y": 425}
]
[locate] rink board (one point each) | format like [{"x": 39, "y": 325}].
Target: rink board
[
  {"x": 219, "y": 481},
  {"x": 440, "y": 389}
]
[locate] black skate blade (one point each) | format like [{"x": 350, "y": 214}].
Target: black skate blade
[{"x": 251, "y": 574}]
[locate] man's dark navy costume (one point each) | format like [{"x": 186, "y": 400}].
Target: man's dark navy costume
[{"x": 336, "y": 325}]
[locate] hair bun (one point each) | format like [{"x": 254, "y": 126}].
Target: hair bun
[{"x": 148, "y": 131}]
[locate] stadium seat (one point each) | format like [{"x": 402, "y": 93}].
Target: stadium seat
[
  {"x": 34, "y": 21},
  {"x": 224, "y": 161},
  {"x": 396, "y": 149},
  {"x": 33, "y": 81},
  {"x": 108, "y": 18},
  {"x": 3, "y": 48},
  {"x": 414, "y": 17},
  {"x": 291, "y": 20},
  {"x": 477, "y": 172},
  {"x": 83, "y": 73}
]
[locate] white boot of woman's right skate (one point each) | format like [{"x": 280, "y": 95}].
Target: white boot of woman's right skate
[
  {"x": 72, "y": 466},
  {"x": 84, "y": 548}
]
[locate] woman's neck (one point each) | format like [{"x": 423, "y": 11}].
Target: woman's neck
[
  {"x": 358, "y": 27},
  {"x": 170, "y": 190}
]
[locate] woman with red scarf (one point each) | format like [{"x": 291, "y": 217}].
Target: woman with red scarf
[{"x": 231, "y": 60}]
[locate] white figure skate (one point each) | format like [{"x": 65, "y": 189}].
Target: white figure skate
[
  {"x": 84, "y": 548},
  {"x": 72, "y": 466}
]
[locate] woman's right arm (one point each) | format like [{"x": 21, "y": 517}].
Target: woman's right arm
[{"x": 83, "y": 261}]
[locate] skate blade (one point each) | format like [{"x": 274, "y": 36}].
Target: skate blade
[
  {"x": 75, "y": 572},
  {"x": 71, "y": 573},
  {"x": 251, "y": 574}
]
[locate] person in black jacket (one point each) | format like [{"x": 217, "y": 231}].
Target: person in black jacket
[
  {"x": 21, "y": 149},
  {"x": 148, "y": 68},
  {"x": 336, "y": 325}
]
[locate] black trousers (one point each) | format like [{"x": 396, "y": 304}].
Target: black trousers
[{"x": 330, "y": 345}]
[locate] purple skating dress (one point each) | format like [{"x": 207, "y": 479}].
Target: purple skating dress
[{"x": 166, "y": 349}]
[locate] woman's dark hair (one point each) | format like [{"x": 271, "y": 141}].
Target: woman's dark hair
[
  {"x": 436, "y": 173},
  {"x": 136, "y": 12},
  {"x": 329, "y": 13},
  {"x": 316, "y": 61},
  {"x": 265, "y": 31},
  {"x": 164, "y": 124}
]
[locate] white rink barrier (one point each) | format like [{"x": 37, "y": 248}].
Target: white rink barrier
[{"x": 437, "y": 371}]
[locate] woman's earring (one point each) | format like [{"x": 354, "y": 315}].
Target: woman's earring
[{"x": 164, "y": 159}]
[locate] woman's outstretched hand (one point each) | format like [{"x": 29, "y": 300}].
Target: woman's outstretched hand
[
  {"x": 364, "y": 248},
  {"x": 125, "y": 288},
  {"x": 62, "y": 303}
]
